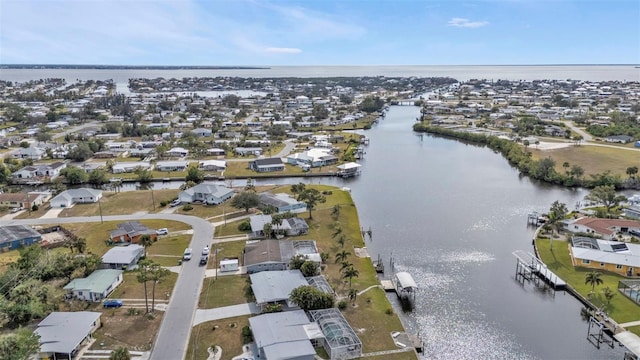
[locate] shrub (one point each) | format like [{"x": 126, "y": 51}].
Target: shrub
[
  {"x": 388, "y": 311},
  {"x": 34, "y": 207},
  {"x": 342, "y": 305},
  {"x": 245, "y": 226},
  {"x": 163, "y": 203},
  {"x": 187, "y": 207}
]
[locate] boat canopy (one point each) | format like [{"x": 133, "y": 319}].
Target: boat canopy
[{"x": 405, "y": 280}]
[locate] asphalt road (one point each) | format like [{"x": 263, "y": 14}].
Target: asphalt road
[{"x": 173, "y": 336}]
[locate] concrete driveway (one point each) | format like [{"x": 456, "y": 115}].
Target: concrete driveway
[{"x": 204, "y": 315}]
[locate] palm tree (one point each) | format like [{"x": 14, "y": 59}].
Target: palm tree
[
  {"x": 353, "y": 294},
  {"x": 337, "y": 231},
  {"x": 156, "y": 274},
  {"x": 146, "y": 241},
  {"x": 335, "y": 211},
  {"x": 276, "y": 222},
  {"x": 341, "y": 240},
  {"x": 350, "y": 273},
  {"x": 345, "y": 265},
  {"x": 594, "y": 279},
  {"x": 143, "y": 277},
  {"x": 342, "y": 256},
  {"x": 120, "y": 353}
]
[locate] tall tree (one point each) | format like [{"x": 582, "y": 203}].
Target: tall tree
[
  {"x": 245, "y": 200},
  {"x": 309, "y": 298},
  {"x": 145, "y": 241},
  {"x": 194, "y": 174},
  {"x": 335, "y": 212},
  {"x": 342, "y": 256},
  {"x": 311, "y": 197},
  {"x": 156, "y": 274},
  {"x": 593, "y": 278},
  {"x": 350, "y": 273},
  {"x": 297, "y": 188},
  {"x": 143, "y": 277},
  {"x": 557, "y": 213},
  {"x": 632, "y": 171},
  {"x": 605, "y": 195},
  {"x": 19, "y": 345}
]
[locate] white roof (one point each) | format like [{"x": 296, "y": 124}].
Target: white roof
[
  {"x": 270, "y": 286},
  {"x": 348, "y": 166},
  {"x": 122, "y": 254},
  {"x": 62, "y": 332},
  {"x": 630, "y": 340},
  {"x": 405, "y": 280}
]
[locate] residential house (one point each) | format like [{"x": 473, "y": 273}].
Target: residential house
[
  {"x": 123, "y": 257},
  {"x": 622, "y": 258},
  {"x": 16, "y": 236},
  {"x": 206, "y": 193},
  {"x": 76, "y": 196},
  {"x": 312, "y": 158},
  {"x": 94, "y": 287},
  {"x": 62, "y": 334},
  {"x": 50, "y": 171},
  {"x": 216, "y": 152},
  {"x": 31, "y": 152},
  {"x": 294, "y": 226},
  {"x": 284, "y": 335},
  {"x": 267, "y": 165},
  {"x": 212, "y": 165},
  {"x": 244, "y": 151},
  {"x": 130, "y": 232},
  {"x": 282, "y": 202},
  {"x": 331, "y": 322},
  {"x": 608, "y": 229},
  {"x": 177, "y": 152},
  {"x": 274, "y": 287},
  {"x": 275, "y": 255},
  {"x": 129, "y": 167},
  {"x": 172, "y": 165},
  {"x": 202, "y": 132},
  {"x": 24, "y": 200},
  {"x": 257, "y": 223},
  {"x": 621, "y": 139}
]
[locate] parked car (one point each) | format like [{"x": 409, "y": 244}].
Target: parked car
[
  {"x": 112, "y": 303},
  {"x": 175, "y": 202},
  {"x": 187, "y": 254},
  {"x": 204, "y": 259},
  {"x": 205, "y": 251},
  {"x": 162, "y": 231}
]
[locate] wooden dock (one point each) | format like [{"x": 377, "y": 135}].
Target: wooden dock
[
  {"x": 529, "y": 267},
  {"x": 387, "y": 285}
]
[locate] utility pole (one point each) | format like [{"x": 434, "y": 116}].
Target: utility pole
[
  {"x": 100, "y": 207},
  {"x": 153, "y": 200}
]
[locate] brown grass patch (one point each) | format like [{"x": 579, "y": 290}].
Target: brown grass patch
[
  {"x": 593, "y": 159},
  {"x": 225, "y": 333},
  {"x": 135, "y": 332}
]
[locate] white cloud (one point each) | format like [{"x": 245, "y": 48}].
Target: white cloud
[
  {"x": 283, "y": 50},
  {"x": 466, "y": 23}
]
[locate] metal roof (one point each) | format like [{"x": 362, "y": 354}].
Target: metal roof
[
  {"x": 272, "y": 286},
  {"x": 405, "y": 280},
  {"x": 282, "y": 335},
  {"x": 62, "y": 332},
  {"x": 122, "y": 254},
  {"x": 11, "y": 233},
  {"x": 98, "y": 282}
]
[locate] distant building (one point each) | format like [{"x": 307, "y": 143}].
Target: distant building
[
  {"x": 267, "y": 165},
  {"x": 130, "y": 232},
  {"x": 282, "y": 202},
  {"x": 16, "y": 236},
  {"x": 206, "y": 193},
  {"x": 275, "y": 255}
]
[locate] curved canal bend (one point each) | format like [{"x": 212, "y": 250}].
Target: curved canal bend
[{"x": 451, "y": 214}]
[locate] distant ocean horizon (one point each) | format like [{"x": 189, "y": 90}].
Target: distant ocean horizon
[{"x": 581, "y": 72}]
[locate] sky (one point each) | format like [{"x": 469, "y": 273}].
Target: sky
[{"x": 319, "y": 32}]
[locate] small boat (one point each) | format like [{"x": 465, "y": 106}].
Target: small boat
[{"x": 406, "y": 288}]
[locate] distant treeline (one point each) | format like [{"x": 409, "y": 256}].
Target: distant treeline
[
  {"x": 543, "y": 169},
  {"x": 126, "y": 67}
]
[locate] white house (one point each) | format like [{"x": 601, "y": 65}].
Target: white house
[
  {"x": 96, "y": 286},
  {"x": 123, "y": 257},
  {"x": 212, "y": 165},
  {"x": 76, "y": 196},
  {"x": 172, "y": 165},
  {"x": 62, "y": 334},
  {"x": 207, "y": 193},
  {"x": 128, "y": 167},
  {"x": 31, "y": 152},
  {"x": 177, "y": 152}
]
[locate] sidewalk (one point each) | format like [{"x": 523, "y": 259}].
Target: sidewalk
[{"x": 204, "y": 315}]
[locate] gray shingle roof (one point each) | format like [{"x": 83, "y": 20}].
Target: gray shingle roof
[
  {"x": 272, "y": 286},
  {"x": 282, "y": 335}
]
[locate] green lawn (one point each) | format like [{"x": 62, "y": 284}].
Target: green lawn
[
  {"x": 224, "y": 291},
  {"x": 621, "y": 309},
  {"x": 127, "y": 202},
  {"x": 132, "y": 289},
  {"x": 229, "y": 249},
  {"x": 593, "y": 159},
  {"x": 225, "y": 333}
]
